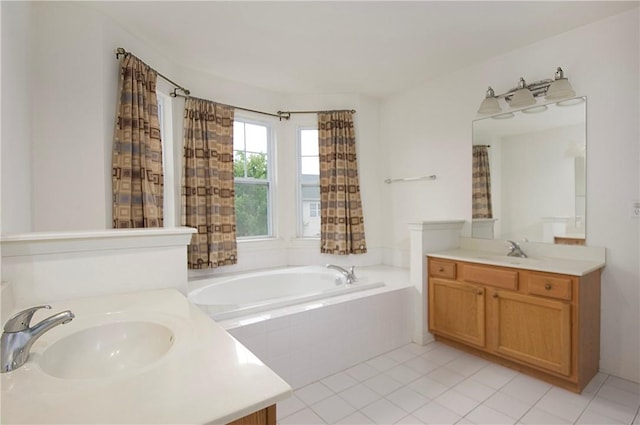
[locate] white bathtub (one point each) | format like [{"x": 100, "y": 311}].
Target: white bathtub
[
  {"x": 316, "y": 327},
  {"x": 249, "y": 293}
]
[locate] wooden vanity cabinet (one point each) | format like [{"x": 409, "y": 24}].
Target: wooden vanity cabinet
[
  {"x": 266, "y": 416},
  {"x": 543, "y": 324}
]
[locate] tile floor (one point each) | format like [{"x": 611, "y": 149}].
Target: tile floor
[{"x": 437, "y": 384}]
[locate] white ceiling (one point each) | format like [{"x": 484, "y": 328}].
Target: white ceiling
[{"x": 376, "y": 48}]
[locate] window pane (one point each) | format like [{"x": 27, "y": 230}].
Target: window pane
[
  {"x": 256, "y": 138},
  {"x": 310, "y": 193},
  {"x": 257, "y": 165},
  {"x": 238, "y": 136},
  {"x": 309, "y": 142},
  {"x": 239, "y": 159},
  {"x": 310, "y": 166},
  {"x": 251, "y": 209},
  {"x": 310, "y": 212}
]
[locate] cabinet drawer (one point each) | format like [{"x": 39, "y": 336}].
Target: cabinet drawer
[
  {"x": 549, "y": 286},
  {"x": 443, "y": 269},
  {"x": 500, "y": 278}
]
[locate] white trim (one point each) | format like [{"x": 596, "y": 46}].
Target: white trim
[
  {"x": 27, "y": 244},
  {"x": 299, "y": 202},
  {"x": 168, "y": 162}
]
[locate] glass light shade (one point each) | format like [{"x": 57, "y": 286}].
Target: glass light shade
[
  {"x": 505, "y": 116},
  {"x": 560, "y": 89},
  {"x": 522, "y": 97},
  {"x": 489, "y": 105},
  {"x": 535, "y": 109}
]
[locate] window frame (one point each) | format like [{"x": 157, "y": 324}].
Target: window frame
[
  {"x": 300, "y": 184},
  {"x": 269, "y": 181},
  {"x": 165, "y": 118}
]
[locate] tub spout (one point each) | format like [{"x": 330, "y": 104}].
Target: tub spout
[
  {"x": 350, "y": 274},
  {"x": 18, "y": 337}
]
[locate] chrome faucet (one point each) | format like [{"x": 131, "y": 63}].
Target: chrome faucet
[
  {"x": 515, "y": 250},
  {"x": 18, "y": 337},
  {"x": 350, "y": 274}
]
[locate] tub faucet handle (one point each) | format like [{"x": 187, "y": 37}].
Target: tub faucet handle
[{"x": 352, "y": 272}]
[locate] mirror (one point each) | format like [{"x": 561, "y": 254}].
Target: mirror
[{"x": 537, "y": 187}]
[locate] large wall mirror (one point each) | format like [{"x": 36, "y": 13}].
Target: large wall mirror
[{"x": 536, "y": 162}]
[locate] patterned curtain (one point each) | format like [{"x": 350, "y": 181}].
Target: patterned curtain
[
  {"x": 481, "y": 183},
  {"x": 137, "y": 176},
  {"x": 341, "y": 220},
  {"x": 207, "y": 184}
]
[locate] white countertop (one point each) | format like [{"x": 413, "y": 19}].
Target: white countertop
[
  {"x": 568, "y": 266},
  {"x": 205, "y": 377}
]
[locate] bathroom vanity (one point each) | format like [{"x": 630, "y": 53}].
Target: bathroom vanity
[
  {"x": 539, "y": 316},
  {"x": 141, "y": 357}
]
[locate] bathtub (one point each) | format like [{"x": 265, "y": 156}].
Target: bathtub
[
  {"x": 249, "y": 293},
  {"x": 305, "y": 323}
]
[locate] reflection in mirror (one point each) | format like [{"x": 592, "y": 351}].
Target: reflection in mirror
[{"x": 534, "y": 187}]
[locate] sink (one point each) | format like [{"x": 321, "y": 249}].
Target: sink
[{"x": 107, "y": 350}]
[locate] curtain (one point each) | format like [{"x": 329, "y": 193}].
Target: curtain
[
  {"x": 341, "y": 220},
  {"x": 207, "y": 184},
  {"x": 481, "y": 191},
  {"x": 137, "y": 177}
]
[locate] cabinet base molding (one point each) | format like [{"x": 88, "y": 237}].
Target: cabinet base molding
[{"x": 534, "y": 373}]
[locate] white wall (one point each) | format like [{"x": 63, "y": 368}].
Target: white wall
[
  {"x": 428, "y": 130},
  {"x": 16, "y": 112}
]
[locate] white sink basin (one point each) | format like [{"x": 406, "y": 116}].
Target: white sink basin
[{"x": 107, "y": 350}]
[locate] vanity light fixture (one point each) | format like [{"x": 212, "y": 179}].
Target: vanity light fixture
[
  {"x": 535, "y": 109},
  {"x": 505, "y": 116},
  {"x": 522, "y": 96},
  {"x": 525, "y": 94},
  {"x": 490, "y": 103},
  {"x": 560, "y": 87},
  {"x": 571, "y": 102}
]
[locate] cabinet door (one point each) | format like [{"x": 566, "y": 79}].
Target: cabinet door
[
  {"x": 456, "y": 310},
  {"x": 266, "y": 416},
  {"x": 531, "y": 329}
]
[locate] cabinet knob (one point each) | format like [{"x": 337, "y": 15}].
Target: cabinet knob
[
  {"x": 495, "y": 295},
  {"x": 547, "y": 286},
  {"x": 441, "y": 269},
  {"x": 479, "y": 291}
]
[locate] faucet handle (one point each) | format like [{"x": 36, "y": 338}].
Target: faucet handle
[
  {"x": 20, "y": 321},
  {"x": 352, "y": 270}
]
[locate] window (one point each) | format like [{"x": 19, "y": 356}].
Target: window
[
  {"x": 314, "y": 209},
  {"x": 252, "y": 173},
  {"x": 309, "y": 183},
  {"x": 168, "y": 163}
]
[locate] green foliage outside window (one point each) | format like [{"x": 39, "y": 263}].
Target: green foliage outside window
[{"x": 251, "y": 198}]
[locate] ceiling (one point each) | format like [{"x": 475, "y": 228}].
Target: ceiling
[{"x": 376, "y": 48}]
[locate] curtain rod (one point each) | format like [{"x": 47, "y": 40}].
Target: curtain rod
[
  {"x": 280, "y": 114},
  {"x": 411, "y": 179},
  {"x": 121, "y": 51},
  {"x": 486, "y": 146},
  {"x": 353, "y": 111}
]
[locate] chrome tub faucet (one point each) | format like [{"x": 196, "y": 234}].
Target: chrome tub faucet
[
  {"x": 350, "y": 274},
  {"x": 18, "y": 336},
  {"x": 515, "y": 250}
]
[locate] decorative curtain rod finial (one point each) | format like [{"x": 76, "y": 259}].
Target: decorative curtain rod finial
[{"x": 120, "y": 52}]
